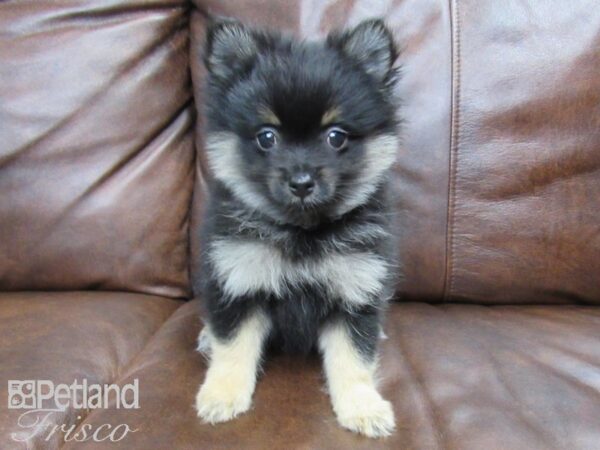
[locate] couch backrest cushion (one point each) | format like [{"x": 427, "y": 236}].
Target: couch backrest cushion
[
  {"x": 524, "y": 217},
  {"x": 96, "y": 145},
  {"x": 498, "y": 177}
]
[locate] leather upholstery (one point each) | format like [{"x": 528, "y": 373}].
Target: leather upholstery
[
  {"x": 497, "y": 184},
  {"x": 525, "y": 155},
  {"x": 460, "y": 377},
  {"x": 69, "y": 336},
  {"x": 96, "y": 146}
]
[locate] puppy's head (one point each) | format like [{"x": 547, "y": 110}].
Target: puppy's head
[{"x": 301, "y": 131}]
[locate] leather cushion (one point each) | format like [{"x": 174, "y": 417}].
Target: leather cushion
[
  {"x": 96, "y": 146},
  {"x": 459, "y": 377},
  {"x": 63, "y": 337},
  {"x": 525, "y": 154}
]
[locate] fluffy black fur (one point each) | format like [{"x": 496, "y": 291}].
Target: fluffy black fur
[{"x": 256, "y": 75}]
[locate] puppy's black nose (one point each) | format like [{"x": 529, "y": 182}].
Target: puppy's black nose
[{"x": 301, "y": 184}]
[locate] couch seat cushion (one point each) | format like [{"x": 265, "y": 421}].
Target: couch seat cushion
[
  {"x": 68, "y": 336},
  {"x": 460, "y": 377}
]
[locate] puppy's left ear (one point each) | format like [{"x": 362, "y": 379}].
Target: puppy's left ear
[
  {"x": 371, "y": 44},
  {"x": 230, "y": 48}
]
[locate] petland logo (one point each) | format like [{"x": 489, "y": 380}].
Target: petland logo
[{"x": 42, "y": 399}]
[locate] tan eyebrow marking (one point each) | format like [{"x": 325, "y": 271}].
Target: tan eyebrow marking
[
  {"x": 268, "y": 116},
  {"x": 330, "y": 116}
]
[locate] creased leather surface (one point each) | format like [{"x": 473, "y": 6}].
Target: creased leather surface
[
  {"x": 460, "y": 377},
  {"x": 525, "y": 211},
  {"x": 96, "y": 145},
  {"x": 68, "y": 336}
]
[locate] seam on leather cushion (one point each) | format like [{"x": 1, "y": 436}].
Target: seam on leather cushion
[{"x": 454, "y": 147}]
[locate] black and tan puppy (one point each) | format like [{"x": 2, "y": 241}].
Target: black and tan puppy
[{"x": 296, "y": 243}]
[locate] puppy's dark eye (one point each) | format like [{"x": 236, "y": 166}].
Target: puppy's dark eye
[
  {"x": 266, "y": 138},
  {"x": 337, "y": 138}
]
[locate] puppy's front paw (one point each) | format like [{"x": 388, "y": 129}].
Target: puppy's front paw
[
  {"x": 222, "y": 400},
  {"x": 362, "y": 410}
]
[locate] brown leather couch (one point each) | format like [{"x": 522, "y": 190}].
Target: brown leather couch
[{"x": 494, "y": 342}]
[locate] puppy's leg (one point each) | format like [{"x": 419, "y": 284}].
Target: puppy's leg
[
  {"x": 349, "y": 360},
  {"x": 204, "y": 344},
  {"x": 231, "y": 377}
]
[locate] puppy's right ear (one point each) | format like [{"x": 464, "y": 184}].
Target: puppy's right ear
[
  {"x": 230, "y": 48},
  {"x": 371, "y": 44}
]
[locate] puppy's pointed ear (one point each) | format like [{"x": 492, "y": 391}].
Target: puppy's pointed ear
[
  {"x": 371, "y": 44},
  {"x": 230, "y": 48}
]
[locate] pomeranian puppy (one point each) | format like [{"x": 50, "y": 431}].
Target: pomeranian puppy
[{"x": 297, "y": 249}]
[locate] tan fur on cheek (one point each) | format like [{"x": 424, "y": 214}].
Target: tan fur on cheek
[
  {"x": 380, "y": 157},
  {"x": 224, "y": 162}
]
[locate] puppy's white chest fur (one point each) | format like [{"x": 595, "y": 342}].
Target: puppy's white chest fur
[{"x": 247, "y": 267}]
